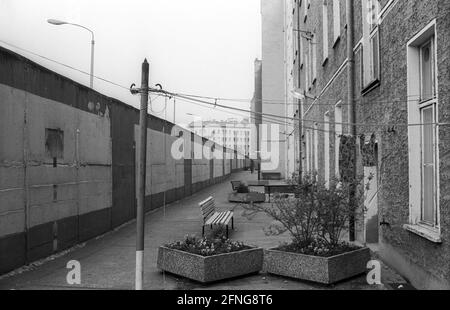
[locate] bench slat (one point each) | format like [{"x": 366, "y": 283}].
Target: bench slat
[
  {"x": 226, "y": 218},
  {"x": 207, "y": 208},
  {"x": 207, "y": 205},
  {"x": 206, "y": 200},
  {"x": 208, "y": 213},
  {"x": 230, "y": 216},
  {"x": 219, "y": 218},
  {"x": 211, "y": 220}
]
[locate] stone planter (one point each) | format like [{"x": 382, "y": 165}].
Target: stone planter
[
  {"x": 247, "y": 197},
  {"x": 211, "y": 268},
  {"x": 325, "y": 270}
]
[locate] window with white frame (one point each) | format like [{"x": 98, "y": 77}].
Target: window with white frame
[
  {"x": 301, "y": 51},
  {"x": 316, "y": 148},
  {"x": 429, "y": 171},
  {"x": 427, "y": 71},
  {"x": 326, "y": 149},
  {"x": 325, "y": 29},
  {"x": 308, "y": 151},
  {"x": 338, "y": 133},
  {"x": 423, "y": 140},
  {"x": 336, "y": 20},
  {"x": 313, "y": 49},
  {"x": 307, "y": 5},
  {"x": 371, "y": 54},
  {"x": 307, "y": 66}
]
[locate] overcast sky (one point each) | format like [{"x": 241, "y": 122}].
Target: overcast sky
[{"x": 204, "y": 47}]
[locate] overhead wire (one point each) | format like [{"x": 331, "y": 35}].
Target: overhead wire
[{"x": 195, "y": 97}]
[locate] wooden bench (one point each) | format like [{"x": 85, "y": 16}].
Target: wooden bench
[{"x": 211, "y": 217}]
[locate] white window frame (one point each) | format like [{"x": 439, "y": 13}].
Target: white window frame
[
  {"x": 326, "y": 149},
  {"x": 307, "y": 66},
  {"x": 316, "y": 148},
  {"x": 308, "y": 151},
  {"x": 325, "y": 30},
  {"x": 370, "y": 63},
  {"x": 432, "y": 41},
  {"x": 313, "y": 47},
  {"x": 425, "y": 106},
  {"x": 336, "y": 21},
  {"x": 301, "y": 51},
  {"x": 415, "y": 108},
  {"x": 338, "y": 131},
  {"x": 307, "y": 4}
]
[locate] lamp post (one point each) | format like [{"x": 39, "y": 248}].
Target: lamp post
[{"x": 59, "y": 23}]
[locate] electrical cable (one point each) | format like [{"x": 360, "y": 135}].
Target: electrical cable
[
  {"x": 303, "y": 120},
  {"x": 194, "y": 97}
]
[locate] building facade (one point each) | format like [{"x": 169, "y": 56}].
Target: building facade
[
  {"x": 232, "y": 133},
  {"x": 274, "y": 129},
  {"x": 396, "y": 80},
  {"x": 256, "y": 110}
]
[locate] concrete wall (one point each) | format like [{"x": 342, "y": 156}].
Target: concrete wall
[{"x": 57, "y": 192}]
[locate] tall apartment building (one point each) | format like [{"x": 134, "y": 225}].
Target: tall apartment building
[
  {"x": 273, "y": 86},
  {"x": 256, "y": 110},
  {"x": 231, "y": 133},
  {"x": 401, "y": 86}
]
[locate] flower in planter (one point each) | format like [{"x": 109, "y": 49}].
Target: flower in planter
[{"x": 208, "y": 246}]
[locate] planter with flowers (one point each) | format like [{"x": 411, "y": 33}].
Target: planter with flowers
[
  {"x": 316, "y": 220},
  {"x": 209, "y": 259}
]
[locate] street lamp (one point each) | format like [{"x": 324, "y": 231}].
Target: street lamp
[{"x": 59, "y": 23}]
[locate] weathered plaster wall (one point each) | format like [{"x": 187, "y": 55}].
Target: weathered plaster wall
[{"x": 423, "y": 262}]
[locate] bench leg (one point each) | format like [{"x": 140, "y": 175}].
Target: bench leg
[
  {"x": 232, "y": 223},
  {"x": 227, "y": 231},
  {"x": 203, "y": 230}
]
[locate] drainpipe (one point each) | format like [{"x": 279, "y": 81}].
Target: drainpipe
[{"x": 352, "y": 104}]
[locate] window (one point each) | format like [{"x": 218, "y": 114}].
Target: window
[
  {"x": 326, "y": 149},
  {"x": 313, "y": 59},
  {"x": 307, "y": 151},
  {"x": 325, "y": 29},
  {"x": 307, "y": 4},
  {"x": 423, "y": 140},
  {"x": 427, "y": 79},
  {"x": 336, "y": 20},
  {"x": 316, "y": 148},
  {"x": 338, "y": 134},
  {"x": 307, "y": 65},
  {"x": 428, "y": 212},
  {"x": 371, "y": 55},
  {"x": 301, "y": 51},
  {"x": 54, "y": 143}
]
